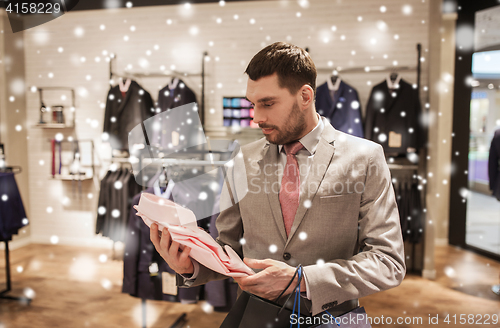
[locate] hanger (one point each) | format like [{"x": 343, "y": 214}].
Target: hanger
[
  {"x": 393, "y": 80},
  {"x": 124, "y": 84},
  {"x": 173, "y": 83},
  {"x": 334, "y": 81}
]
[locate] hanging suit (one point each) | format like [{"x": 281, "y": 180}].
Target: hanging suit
[
  {"x": 174, "y": 95},
  {"x": 112, "y": 198},
  {"x": 123, "y": 114},
  {"x": 102, "y": 202},
  {"x": 343, "y": 110},
  {"x": 416, "y": 214},
  {"x": 393, "y": 118},
  {"x": 410, "y": 208}
]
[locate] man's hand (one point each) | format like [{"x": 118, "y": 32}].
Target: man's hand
[
  {"x": 271, "y": 281},
  {"x": 177, "y": 259}
]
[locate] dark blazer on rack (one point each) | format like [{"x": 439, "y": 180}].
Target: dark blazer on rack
[
  {"x": 123, "y": 114},
  {"x": 395, "y": 112},
  {"x": 112, "y": 198},
  {"x": 343, "y": 111},
  {"x": 175, "y": 95},
  {"x": 410, "y": 210}
]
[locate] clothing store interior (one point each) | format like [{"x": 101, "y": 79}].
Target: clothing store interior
[{"x": 419, "y": 77}]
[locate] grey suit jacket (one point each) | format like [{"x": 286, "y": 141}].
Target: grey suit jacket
[{"x": 346, "y": 231}]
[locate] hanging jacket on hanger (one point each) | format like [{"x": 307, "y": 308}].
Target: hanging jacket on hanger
[
  {"x": 343, "y": 109},
  {"x": 114, "y": 203},
  {"x": 102, "y": 202},
  {"x": 416, "y": 225},
  {"x": 111, "y": 202},
  {"x": 174, "y": 95},
  {"x": 122, "y": 114},
  {"x": 410, "y": 209},
  {"x": 393, "y": 118}
]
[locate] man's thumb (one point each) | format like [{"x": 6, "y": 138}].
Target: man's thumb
[{"x": 256, "y": 264}]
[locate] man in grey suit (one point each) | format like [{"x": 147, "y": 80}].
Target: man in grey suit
[{"x": 326, "y": 203}]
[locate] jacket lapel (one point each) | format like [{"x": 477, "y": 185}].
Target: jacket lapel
[
  {"x": 337, "y": 94},
  {"x": 329, "y": 101},
  {"x": 321, "y": 162},
  {"x": 390, "y": 99},
  {"x": 271, "y": 157}
]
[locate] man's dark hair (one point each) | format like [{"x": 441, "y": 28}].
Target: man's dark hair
[{"x": 293, "y": 65}]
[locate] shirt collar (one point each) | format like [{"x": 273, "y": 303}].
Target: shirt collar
[{"x": 310, "y": 141}]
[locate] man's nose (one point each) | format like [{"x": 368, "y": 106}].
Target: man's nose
[{"x": 258, "y": 116}]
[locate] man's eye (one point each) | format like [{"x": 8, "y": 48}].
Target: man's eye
[{"x": 268, "y": 104}]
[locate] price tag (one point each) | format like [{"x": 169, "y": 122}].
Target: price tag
[
  {"x": 394, "y": 139},
  {"x": 168, "y": 283},
  {"x": 175, "y": 138}
]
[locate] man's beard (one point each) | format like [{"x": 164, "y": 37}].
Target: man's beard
[{"x": 292, "y": 130}]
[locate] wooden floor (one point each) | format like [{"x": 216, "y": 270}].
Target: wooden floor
[{"x": 73, "y": 288}]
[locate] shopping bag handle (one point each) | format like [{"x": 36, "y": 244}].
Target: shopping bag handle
[
  {"x": 296, "y": 302},
  {"x": 289, "y": 283},
  {"x": 298, "y": 271}
]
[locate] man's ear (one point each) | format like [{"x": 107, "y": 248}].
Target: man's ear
[{"x": 306, "y": 96}]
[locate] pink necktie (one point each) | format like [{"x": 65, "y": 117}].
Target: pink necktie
[{"x": 290, "y": 185}]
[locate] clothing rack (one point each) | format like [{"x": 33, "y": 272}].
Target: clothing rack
[
  {"x": 3, "y": 293},
  {"x": 367, "y": 69},
  {"x": 172, "y": 73}
]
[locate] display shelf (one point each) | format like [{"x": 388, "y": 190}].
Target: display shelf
[
  {"x": 59, "y": 116},
  {"x": 87, "y": 171}
]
